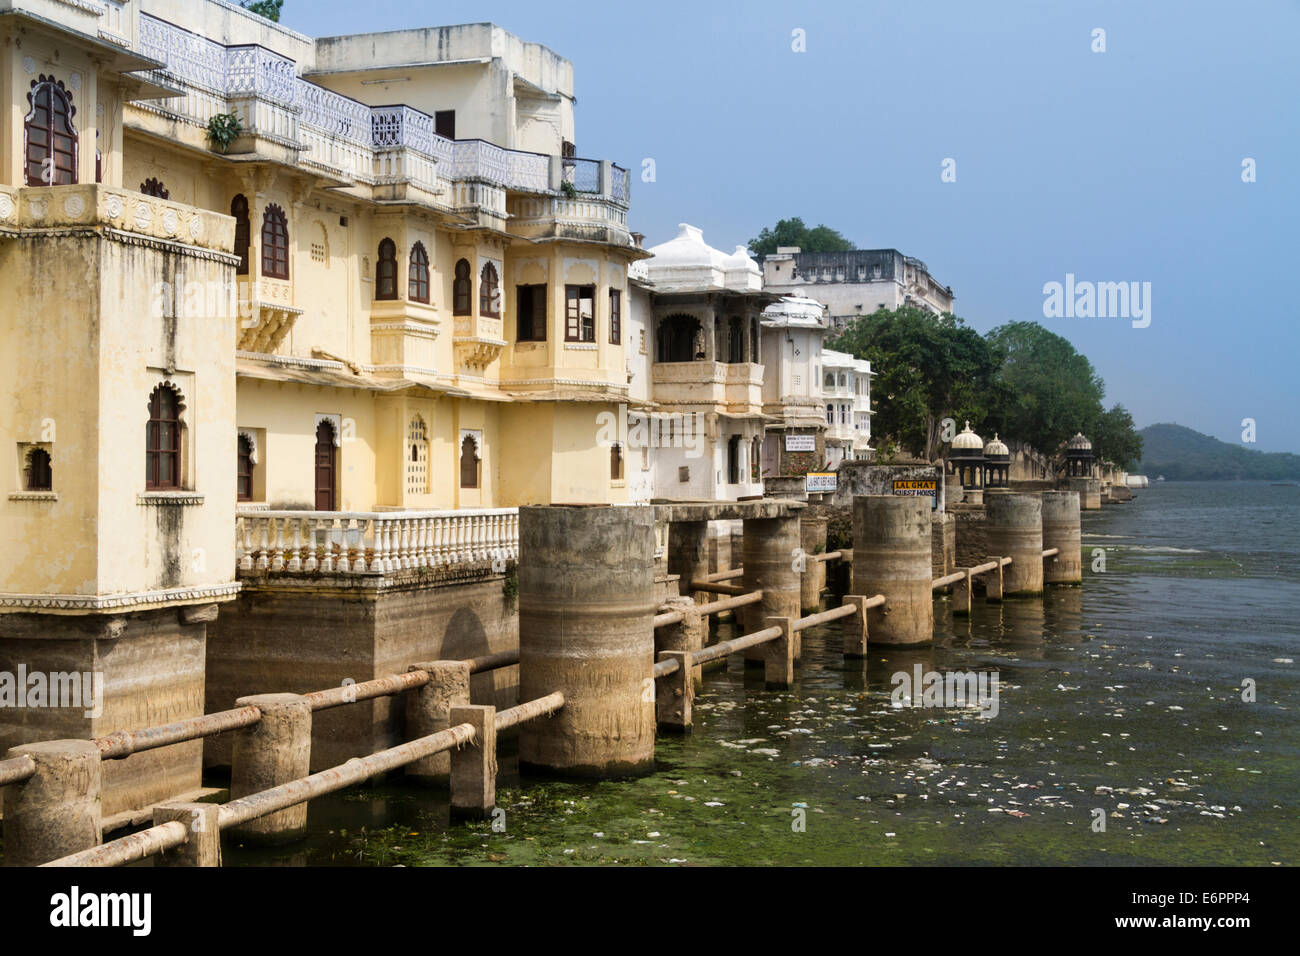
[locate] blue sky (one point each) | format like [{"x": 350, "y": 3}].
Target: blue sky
[{"x": 1117, "y": 166}]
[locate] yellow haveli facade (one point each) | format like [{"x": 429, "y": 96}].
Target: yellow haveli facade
[{"x": 396, "y": 288}]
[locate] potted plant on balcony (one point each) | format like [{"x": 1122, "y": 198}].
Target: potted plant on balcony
[{"x": 224, "y": 129}]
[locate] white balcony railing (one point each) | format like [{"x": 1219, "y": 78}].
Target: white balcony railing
[
  {"x": 338, "y": 132},
  {"x": 345, "y": 542}
]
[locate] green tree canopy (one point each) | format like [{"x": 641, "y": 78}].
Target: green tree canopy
[
  {"x": 927, "y": 368},
  {"x": 793, "y": 232},
  {"x": 1115, "y": 438},
  {"x": 1050, "y": 391},
  {"x": 264, "y": 8}
]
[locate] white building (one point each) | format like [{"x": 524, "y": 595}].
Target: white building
[
  {"x": 793, "y": 328},
  {"x": 855, "y": 283},
  {"x": 695, "y": 371},
  {"x": 846, "y": 401}
]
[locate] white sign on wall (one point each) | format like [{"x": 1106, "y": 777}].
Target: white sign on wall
[
  {"x": 816, "y": 481},
  {"x": 800, "y": 442}
]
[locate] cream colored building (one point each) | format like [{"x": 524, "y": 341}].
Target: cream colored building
[
  {"x": 793, "y": 329},
  {"x": 397, "y": 288}
]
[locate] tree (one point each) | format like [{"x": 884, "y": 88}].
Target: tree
[
  {"x": 793, "y": 232},
  {"x": 1115, "y": 438},
  {"x": 264, "y": 8},
  {"x": 927, "y": 368},
  {"x": 1048, "y": 390}
]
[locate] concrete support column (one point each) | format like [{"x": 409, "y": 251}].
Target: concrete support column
[
  {"x": 586, "y": 628},
  {"x": 769, "y": 562},
  {"x": 428, "y": 710},
  {"x": 474, "y": 766},
  {"x": 688, "y": 553},
  {"x": 675, "y": 695},
  {"x": 1061, "y": 531},
  {"x": 689, "y": 635},
  {"x": 56, "y": 811},
  {"x": 275, "y": 750},
  {"x": 204, "y": 845},
  {"x": 1089, "y": 491},
  {"x": 1015, "y": 530},
  {"x": 891, "y": 556},
  {"x": 812, "y": 538}
]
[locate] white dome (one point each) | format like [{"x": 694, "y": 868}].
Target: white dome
[
  {"x": 687, "y": 262},
  {"x": 968, "y": 440},
  {"x": 996, "y": 447}
]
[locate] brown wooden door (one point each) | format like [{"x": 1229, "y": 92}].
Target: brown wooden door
[{"x": 325, "y": 466}]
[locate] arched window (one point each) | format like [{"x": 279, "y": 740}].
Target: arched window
[
  {"x": 418, "y": 274},
  {"x": 469, "y": 462},
  {"x": 489, "y": 292},
  {"x": 38, "y": 474},
  {"x": 326, "y": 464},
  {"x": 49, "y": 138},
  {"x": 615, "y": 316},
  {"x": 616, "y": 462},
  {"x": 154, "y": 187},
  {"x": 753, "y": 344},
  {"x": 830, "y": 380},
  {"x": 733, "y": 460},
  {"x": 417, "y": 459},
  {"x": 386, "y": 271},
  {"x": 162, "y": 467},
  {"x": 243, "y": 233},
  {"x": 460, "y": 289},
  {"x": 275, "y": 243},
  {"x": 679, "y": 339},
  {"x": 244, "y": 470},
  {"x": 830, "y": 414}
]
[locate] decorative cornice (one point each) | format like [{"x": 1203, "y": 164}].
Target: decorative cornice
[
  {"x": 169, "y": 499},
  {"x": 33, "y": 496},
  {"x": 105, "y": 602}
]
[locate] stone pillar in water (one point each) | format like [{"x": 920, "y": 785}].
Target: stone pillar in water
[
  {"x": 1061, "y": 531},
  {"x": 1089, "y": 491},
  {"x": 1015, "y": 530},
  {"x": 770, "y": 547},
  {"x": 891, "y": 556},
  {"x": 586, "y": 628}
]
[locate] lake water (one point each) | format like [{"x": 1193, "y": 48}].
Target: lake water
[{"x": 1123, "y": 696}]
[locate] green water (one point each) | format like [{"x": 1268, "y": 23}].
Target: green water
[{"x": 1123, "y": 696}]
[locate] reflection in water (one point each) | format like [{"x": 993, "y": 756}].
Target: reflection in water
[{"x": 1133, "y": 708}]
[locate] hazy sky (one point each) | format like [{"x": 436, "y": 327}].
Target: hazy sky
[{"x": 1115, "y": 166}]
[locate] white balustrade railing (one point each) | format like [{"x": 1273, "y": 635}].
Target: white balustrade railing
[
  {"x": 343, "y": 542},
  {"x": 338, "y": 131}
]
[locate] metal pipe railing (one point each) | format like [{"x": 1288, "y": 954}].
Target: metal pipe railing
[
  {"x": 16, "y": 769},
  {"x": 490, "y": 662},
  {"x": 336, "y": 778},
  {"x": 825, "y": 617},
  {"x": 736, "y": 644},
  {"x": 124, "y": 743},
  {"x": 128, "y": 849},
  {"x": 529, "y": 711},
  {"x": 366, "y": 690},
  {"x": 713, "y": 587}
]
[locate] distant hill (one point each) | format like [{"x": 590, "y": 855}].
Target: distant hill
[{"x": 1180, "y": 453}]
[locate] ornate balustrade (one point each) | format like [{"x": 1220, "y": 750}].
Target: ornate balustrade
[
  {"x": 341, "y": 134},
  {"x": 339, "y": 542}
]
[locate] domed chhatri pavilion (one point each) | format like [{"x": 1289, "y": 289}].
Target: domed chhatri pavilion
[
  {"x": 1079, "y": 458},
  {"x": 966, "y": 458},
  {"x": 997, "y": 464}
]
